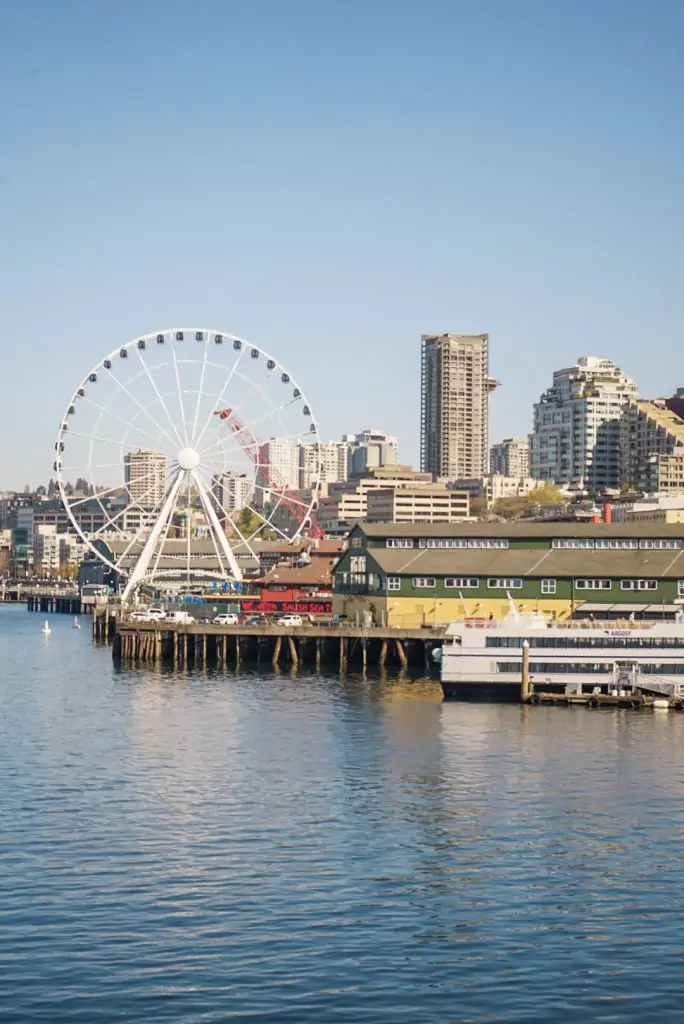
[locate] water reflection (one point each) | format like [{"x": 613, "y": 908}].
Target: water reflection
[{"x": 202, "y": 846}]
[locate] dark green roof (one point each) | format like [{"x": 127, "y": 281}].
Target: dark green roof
[
  {"x": 550, "y": 563},
  {"x": 521, "y": 530}
]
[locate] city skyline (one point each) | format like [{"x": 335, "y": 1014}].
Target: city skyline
[{"x": 315, "y": 224}]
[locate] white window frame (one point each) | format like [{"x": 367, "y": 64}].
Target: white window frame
[
  {"x": 423, "y": 582},
  {"x": 461, "y": 582},
  {"x": 680, "y": 589},
  {"x": 393, "y": 583},
  {"x": 357, "y": 563},
  {"x": 357, "y": 542},
  {"x": 504, "y": 583},
  {"x": 399, "y": 542},
  {"x": 548, "y": 586},
  {"x": 593, "y": 584},
  {"x": 638, "y": 584}
]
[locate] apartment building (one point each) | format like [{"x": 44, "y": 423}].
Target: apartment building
[
  {"x": 577, "y": 425},
  {"x": 145, "y": 477},
  {"x": 652, "y": 445},
  {"x": 511, "y": 457},
  {"x": 455, "y": 390}
]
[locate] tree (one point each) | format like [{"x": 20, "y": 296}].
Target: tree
[
  {"x": 547, "y": 494},
  {"x": 41, "y": 490},
  {"x": 478, "y": 507},
  {"x": 51, "y": 488}
]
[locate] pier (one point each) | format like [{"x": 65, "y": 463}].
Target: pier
[{"x": 311, "y": 646}]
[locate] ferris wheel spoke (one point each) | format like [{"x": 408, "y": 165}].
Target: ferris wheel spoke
[
  {"x": 229, "y": 519},
  {"x": 245, "y": 431},
  {"x": 164, "y": 537},
  {"x": 132, "y": 505},
  {"x": 217, "y": 404},
  {"x": 180, "y": 392},
  {"x": 140, "y": 568},
  {"x": 213, "y": 519},
  {"x": 284, "y": 494},
  {"x": 213, "y": 538},
  {"x": 95, "y": 497},
  {"x": 128, "y": 423},
  {"x": 141, "y": 407},
  {"x": 160, "y": 397},
  {"x": 199, "y": 393}
]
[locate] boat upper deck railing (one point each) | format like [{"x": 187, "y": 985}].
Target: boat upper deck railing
[{"x": 538, "y": 623}]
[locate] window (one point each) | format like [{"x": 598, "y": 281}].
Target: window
[
  {"x": 639, "y": 585},
  {"x": 652, "y": 545},
  {"x": 399, "y": 542},
  {"x": 593, "y": 584},
  {"x": 548, "y": 586},
  {"x": 357, "y": 563},
  {"x": 357, "y": 542},
  {"x": 680, "y": 588},
  {"x": 394, "y": 582},
  {"x": 504, "y": 583},
  {"x": 572, "y": 542},
  {"x": 423, "y": 582},
  {"x": 461, "y": 582}
]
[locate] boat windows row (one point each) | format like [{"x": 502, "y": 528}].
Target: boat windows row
[
  {"x": 587, "y": 642},
  {"x": 554, "y": 668}
]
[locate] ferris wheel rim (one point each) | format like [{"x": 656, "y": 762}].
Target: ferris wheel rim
[{"x": 191, "y": 335}]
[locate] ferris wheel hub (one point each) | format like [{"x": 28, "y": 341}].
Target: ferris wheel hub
[{"x": 188, "y": 459}]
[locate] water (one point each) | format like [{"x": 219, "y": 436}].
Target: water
[{"x": 203, "y": 849}]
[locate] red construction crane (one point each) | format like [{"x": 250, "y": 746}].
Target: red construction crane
[{"x": 257, "y": 454}]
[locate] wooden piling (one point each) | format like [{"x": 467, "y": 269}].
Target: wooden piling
[
  {"x": 383, "y": 653},
  {"x": 293, "y": 651},
  {"x": 318, "y": 654},
  {"x": 401, "y": 652},
  {"x": 276, "y": 650},
  {"x": 364, "y": 653}
]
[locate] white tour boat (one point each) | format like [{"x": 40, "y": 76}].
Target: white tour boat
[{"x": 484, "y": 658}]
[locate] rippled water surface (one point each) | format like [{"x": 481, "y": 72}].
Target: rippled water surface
[{"x": 202, "y": 849}]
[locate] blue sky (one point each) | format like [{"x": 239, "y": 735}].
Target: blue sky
[{"x": 331, "y": 179}]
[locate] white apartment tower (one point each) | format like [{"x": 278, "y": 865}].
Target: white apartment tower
[
  {"x": 454, "y": 401},
  {"x": 576, "y": 436},
  {"x": 328, "y": 460},
  {"x": 279, "y": 470},
  {"x": 511, "y": 457},
  {"x": 231, "y": 492},
  {"x": 145, "y": 477}
]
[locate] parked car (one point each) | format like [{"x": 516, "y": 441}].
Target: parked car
[
  {"x": 149, "y": 615},
  {"x": 290, "y": 620},
  {"x": 181, "y": 616},
  {"x": 255, "y": 620},
  {"x": 226, "y": 619}
]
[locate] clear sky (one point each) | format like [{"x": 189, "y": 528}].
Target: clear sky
[{"x": 330, "y": 179}]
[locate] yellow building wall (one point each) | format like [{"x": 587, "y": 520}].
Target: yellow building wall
[{"x": 412, "y": 613}]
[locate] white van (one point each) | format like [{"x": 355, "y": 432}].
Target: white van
[{"x": 181, "y": 616}]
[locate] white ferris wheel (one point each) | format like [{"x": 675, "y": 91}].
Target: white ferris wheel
[{"x": 185, "y": 443}]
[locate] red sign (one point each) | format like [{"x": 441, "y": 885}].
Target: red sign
[{"x": 279, "y": 607}]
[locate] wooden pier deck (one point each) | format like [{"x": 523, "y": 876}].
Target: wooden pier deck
[{"x": 206, "y": 644}]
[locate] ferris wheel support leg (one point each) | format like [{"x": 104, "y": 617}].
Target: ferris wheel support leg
[
  {"x": 216, "y": 527},
  {"x": 142, "y": 565}
]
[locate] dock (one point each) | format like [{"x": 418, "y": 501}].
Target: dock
[
  {"x": 634, "y": 701},
  {"x": 312, "y": 646}
]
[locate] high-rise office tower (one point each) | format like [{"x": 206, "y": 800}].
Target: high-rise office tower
[{"x": 454, "y": 405}]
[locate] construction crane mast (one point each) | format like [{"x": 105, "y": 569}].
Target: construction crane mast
[{"x": 257, "y": 454}]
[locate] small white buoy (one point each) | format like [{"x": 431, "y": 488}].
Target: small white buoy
[
  {"x": 77, "y": 624},
  {"x": 661, "y": 704},
  {"x": 46, "y": 628}
]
